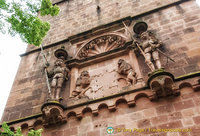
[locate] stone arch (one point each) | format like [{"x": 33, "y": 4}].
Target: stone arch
[
  {"x": 186, "y": 88},
  {"x": 71, "y": 114},
  {"x": 12, "y": 129},
  {"x": 121, "y": 100},
  {"x": 100, "y": 44},
  {"x": 185, "y": 84},
  {"x": 25, "y": 128},
  {"x": 101, "y": 106},
  {"x": 86, "y": 110},
  {"x": 38, "y": 124},
  {"x": 140, "y": 95}
]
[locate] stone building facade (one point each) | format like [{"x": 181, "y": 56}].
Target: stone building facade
[{"x": 100, "y": 74}]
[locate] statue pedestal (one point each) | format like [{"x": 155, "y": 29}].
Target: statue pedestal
[
  {"x": 53, "y": 113},
  {"x": 161, "y": 84}
]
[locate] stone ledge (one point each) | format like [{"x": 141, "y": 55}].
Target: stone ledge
[{"x": 186, "y": 81}]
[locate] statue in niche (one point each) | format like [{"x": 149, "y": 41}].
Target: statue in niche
[
  {"x": 82, "y": 85},
  {"x": 150, "y": 45},
  {"x": 60, "y": 74},
  {"x": 126, "y": 69}
]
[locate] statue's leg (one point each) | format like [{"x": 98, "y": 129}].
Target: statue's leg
[
  {"x": 131, "y": 78},
  {"x": 58, "y": 89},
  {"x": 156, "y": 58},
  {"x": 53, "y": 85},
  {"x": 148, "y": 61}
]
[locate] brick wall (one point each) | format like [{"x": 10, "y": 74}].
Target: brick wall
[
  {"x": 182, "y": 112},
  {"x": 177, "y": 27},
  {"x": 77, "y": 16}
]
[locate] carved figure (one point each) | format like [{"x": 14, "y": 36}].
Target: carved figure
[
  {"x": 82, "y": 85},
  {"x": 150, "y": 45},
  {"x": 125, "y": 68},
  {"x": 60, "y": 73}
]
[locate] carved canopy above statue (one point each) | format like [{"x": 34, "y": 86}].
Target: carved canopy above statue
[{"x": 101, "y": 44}]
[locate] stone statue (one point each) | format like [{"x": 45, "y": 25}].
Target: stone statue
[
  {"x": 82, "y": 85},
  {"x": 125, "y": 68},
  {"x": 60, "y": 73},
  {"x": 150, "y": 45}
]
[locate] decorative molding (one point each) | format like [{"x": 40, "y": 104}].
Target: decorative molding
[
  {"x": 101, "y": 44},
  {"x": 191, "y": 80}
]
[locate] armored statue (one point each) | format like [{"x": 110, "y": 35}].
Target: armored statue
[
  {"x": 149, "y": 46},
  {"x": 60, "y": 74},
  {"x": 126, "y": 69},
  {"x": 82, "y": 84}
]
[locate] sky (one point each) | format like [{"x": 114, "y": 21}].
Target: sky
[{"x": 10, "y": 49}]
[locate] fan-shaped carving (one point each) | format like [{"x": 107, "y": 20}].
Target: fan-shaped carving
[{"x": 101, "y": 44}]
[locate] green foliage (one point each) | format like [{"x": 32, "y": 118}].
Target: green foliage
[
  {"x": 3, "y": 6},
  {"x": 22, "y": 19},
  {"x": 30, "y": 28},
  {"x": 48, "y": 9},
  {"x": 8, "y": 132},
  {"x": 35, "y": 132}
]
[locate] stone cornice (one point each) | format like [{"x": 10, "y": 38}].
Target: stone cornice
[{"x": 138, "y": 91}]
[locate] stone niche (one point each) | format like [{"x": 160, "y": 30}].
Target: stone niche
[{"x": 99, "y": 58}]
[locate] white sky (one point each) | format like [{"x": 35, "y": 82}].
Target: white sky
[
  {"x": 10, "y": 48},
  {"x": 198, "y": 2}
]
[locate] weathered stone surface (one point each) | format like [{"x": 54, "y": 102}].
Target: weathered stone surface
[{"x": 177, "y": 26}]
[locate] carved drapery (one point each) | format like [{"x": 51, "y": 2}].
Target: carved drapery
[{"x": 101, "y": 44}]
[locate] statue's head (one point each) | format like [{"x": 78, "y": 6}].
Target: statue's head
[
  {"x": 59, "y": 62},
  {"x": 85, "y": 74},
  {"x": 120, "y": 61},
  {"x": 144, "y": 35}
]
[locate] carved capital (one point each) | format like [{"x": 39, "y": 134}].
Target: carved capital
[
  {"x": 162, "y": 84},
  {"x": 52, "y": 114}
]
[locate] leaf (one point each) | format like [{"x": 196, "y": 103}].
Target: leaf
[
  {"x": 8, "y": 132},
  {"x": 22, "y": 19},
  {"x": 48, "y": 9},
  {"x": 6, "y": 129}
]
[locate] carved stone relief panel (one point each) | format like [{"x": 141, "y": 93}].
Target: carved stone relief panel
[
  {"x": 126, "y": 69},
  {"x": 105, "y": 78},
  {"x": 82, "y": 85}
]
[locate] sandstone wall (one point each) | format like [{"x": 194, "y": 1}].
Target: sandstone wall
[
  {"x": 177, "y": 26},
  {"x": 182, "y": 112}
]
